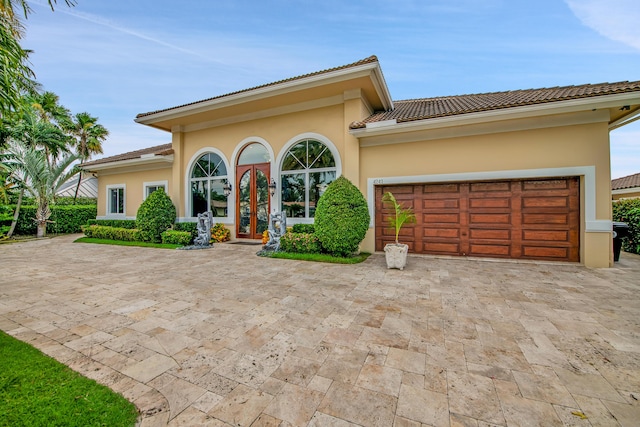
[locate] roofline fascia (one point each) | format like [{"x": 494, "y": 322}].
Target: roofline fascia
[
  {"x": 536, "y": 110},
  {"x": 369, "y": 69},
  {"x": 130, "y": 162},
  {"x": 625, "y": 120},
  {"x": 626, "y": 190}
]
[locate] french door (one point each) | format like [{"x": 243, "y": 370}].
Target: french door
[{"x": 252, "y": 201}]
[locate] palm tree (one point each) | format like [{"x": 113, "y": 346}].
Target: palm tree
[
  {"x": 89, "y": 135},
  {"x": 29, "y": 170},
  {"x": 16, "y": 78}
]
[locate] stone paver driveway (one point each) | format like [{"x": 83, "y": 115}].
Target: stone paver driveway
[{"x": 222, "y": 337}]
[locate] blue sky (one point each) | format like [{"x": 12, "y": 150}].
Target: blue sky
[{"x": 116, "y": 58}]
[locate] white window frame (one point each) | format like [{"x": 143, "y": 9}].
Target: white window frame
[
  {"x": 110, "y": 213},
  {"x": 146, "y": 185},
  {"x": 187, "y": 184},
  {"x": 280, "y": 173}
]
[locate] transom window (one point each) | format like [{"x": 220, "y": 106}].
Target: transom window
[
  {"x": 208, "y": 178},
  {"x": 307, "y": 169}
]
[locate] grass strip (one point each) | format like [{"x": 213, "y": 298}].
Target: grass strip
[
  {"x": 36, "y": 390},
  {"x": 125, "y": 243},
  {"x": 319, "y": 257}
]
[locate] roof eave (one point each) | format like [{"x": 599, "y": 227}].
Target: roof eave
[
  {"x": 372, "y": 70},
  {"x": 139, "y": 161},
  {"x": 556, "y": 107}
]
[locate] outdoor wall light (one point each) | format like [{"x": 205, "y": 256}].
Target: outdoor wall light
[
  {"x": 272, "y": 187},
  {"x": 227, "y": 189}
]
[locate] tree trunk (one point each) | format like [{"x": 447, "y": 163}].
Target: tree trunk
[
  {"x": 75, "y": 196},
  {"x": 16, "y": 214},
  {"x": 42, "y": 229}
]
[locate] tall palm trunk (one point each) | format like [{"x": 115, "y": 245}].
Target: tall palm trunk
[
  {"x": 16, "y": 214},
  {"x": 75, "y": 196}
]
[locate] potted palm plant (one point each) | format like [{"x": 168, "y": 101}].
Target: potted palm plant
[{"x": 396, "y": 253}]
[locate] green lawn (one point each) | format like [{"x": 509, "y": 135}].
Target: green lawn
[
  {"x": 36, "y": 390},
  {"x": 318, "y": 257},
  {"x": 125, "y": 243}
]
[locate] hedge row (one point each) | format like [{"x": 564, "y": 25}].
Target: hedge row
[
  {"x": 65, "y": 219},
  {"x": 176, "y": 237},
  {"x": 628, "y": 210},
  {"x": 121, "y": 223},
  {"x": 112, "y": 233}
]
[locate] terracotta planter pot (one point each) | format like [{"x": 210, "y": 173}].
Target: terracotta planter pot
[{"x": 396, "y": 255}]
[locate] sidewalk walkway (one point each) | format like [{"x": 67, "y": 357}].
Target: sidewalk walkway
[{"x": 222, "y": 337}]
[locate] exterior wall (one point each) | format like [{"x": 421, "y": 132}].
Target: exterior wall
[
  {"x": 134, "y": 189},
  {"x": 539, "y": 149},
  {"x": 631, "y": 193}
]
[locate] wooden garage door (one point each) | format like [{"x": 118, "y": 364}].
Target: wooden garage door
[{"x": 530, "y": 219}]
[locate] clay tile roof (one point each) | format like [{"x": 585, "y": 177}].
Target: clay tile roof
[
  {"x": 428, "y": 108},
  {"x": 630, "y": 181},
  {"x": 368, "y": 60},
  {"x": 158, "y": 150}
]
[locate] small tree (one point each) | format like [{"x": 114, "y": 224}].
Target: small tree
[
  {"x": 155, "y": 215},
  {"x": 401, "y": 215},
  {"x": 342, "y": 218}
]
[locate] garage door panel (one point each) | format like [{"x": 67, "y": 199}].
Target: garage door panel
[
  {"x": 446, "y": 233},
  {"x": 545, "y": 235},
  {"x": 489, "y": 186},
  {"x": 490, "y": 250},
  {"x": 441, "y": 203},
  {"x": 533, "y": 219},
  {"x": 551, "y": 219},
  {"x": 545, "y": 184},
  {"x": 441, "y": 248},
  {"x": 490, "y": 203},
  {"x": 440, "y": 218},
  {"x": 545, "y": 202},
  {"x": 485, "y": 218},
  {"x": 545, "y": 252},
  {"x": 490, "y": 234}
]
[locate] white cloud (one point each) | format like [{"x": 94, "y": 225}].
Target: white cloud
[{"x": 619, "y": 21}]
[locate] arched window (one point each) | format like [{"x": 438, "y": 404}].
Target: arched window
[
  {"x": 307, "y": 169},
  {"x": 208, "y": 178}
]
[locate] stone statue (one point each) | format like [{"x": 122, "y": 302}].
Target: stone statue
[
  {"x": 277, "y": 228},
  {"x": 205, "y": 221}
]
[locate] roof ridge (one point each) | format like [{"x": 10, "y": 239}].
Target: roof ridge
[{"x": 367, "y": 60}]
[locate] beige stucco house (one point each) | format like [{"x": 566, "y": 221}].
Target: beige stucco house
[
  {"x": 627, "y": 187},
  {"x": 520, "y": 174}
]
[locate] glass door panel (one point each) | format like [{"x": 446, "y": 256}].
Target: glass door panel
[{"x": 253, "y": 200}]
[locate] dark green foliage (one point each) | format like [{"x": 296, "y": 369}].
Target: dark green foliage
[
  {"x": 191, "y": 227},
  {"x": 6, "y": 216},
  {"x": 122, "y": 223},
  {"x": 628, "y": 210},
  {"x": 112, "y": 233},
  {"x": 304, "y": 228},
  {"x": 66, "y": 219},
  {"x": 176, "y": 237},
  {"x": 302, "y": 243},
  {"x": 342, "y": 218},
  {"x": 155, "y": 215}
]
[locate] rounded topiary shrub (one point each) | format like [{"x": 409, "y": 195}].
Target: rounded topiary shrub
[
  {"x": 155, "y": 215},
  {"x": 342, "y": 218}
]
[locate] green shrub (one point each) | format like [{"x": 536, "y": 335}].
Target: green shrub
[
  {"x": 191, "y": 227},
  {"x": 6, "y": 216},
  {"x": 342, "y": 218},
  {"x": 65, "y": 201},
  {"x": 301, "y": 243},
  {"x": 628, "y": 210},
  {"x": 155, "y": 215},
  {"x": 176, "y": 237},
  {"x": 304, "y": 228},
  {"x": 65, "y": 218},
  {"x": 121, "y": 223},
  {"x": 112, "y": 233}
]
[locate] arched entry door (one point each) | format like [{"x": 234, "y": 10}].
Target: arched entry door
[{"x": 252, "y": 184}]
